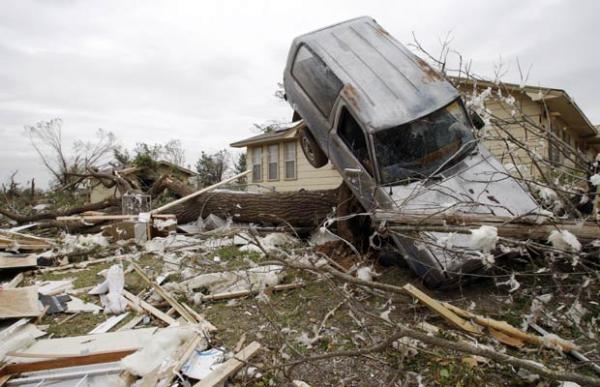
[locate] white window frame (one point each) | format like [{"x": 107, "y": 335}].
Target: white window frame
[
  {"x": 290, "y": 156},
  {"x": 273, "y": 158},
  {"x": 257, "y": 164}
]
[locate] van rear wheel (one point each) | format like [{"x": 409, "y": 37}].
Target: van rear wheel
[{"x": 311, "y": 149}]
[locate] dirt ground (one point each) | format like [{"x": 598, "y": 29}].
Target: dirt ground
[{"x": 326, "y": 315}]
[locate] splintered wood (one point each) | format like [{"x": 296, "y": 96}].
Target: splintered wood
[{"x": 473, "y": 323}]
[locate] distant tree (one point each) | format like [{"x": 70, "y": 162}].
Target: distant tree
[
  {"x": 66, "y": 167},
  {"x": 173, "y": 152},
  {"x": 211, "y": 167},
  {"x": 121, "y": 156},
  {"x": 241, "y": 166}
]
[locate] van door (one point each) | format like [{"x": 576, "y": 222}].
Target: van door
[{"x": 349, "y": 152}]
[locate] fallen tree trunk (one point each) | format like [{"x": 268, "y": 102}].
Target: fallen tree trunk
[
  {"x": 526, "y": 227},
  {"x": 298, "y": 209}
]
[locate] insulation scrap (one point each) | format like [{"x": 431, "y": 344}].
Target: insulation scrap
[
  {"x": 158, "y": 352},
  {"x": 111, "y": 291}
]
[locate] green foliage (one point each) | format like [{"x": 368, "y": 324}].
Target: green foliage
[
  {"x": 121, "y": 156},
  {"x": 241, "y": 166},
  {"x": 211, "y": 167}
]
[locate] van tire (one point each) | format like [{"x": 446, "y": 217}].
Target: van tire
[{"x": 312, "y": 151}]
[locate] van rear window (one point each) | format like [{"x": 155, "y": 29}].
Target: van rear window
[{"x": 316, "y": 79}]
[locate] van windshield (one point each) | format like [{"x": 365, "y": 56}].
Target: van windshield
[{"x": 421, "y": 147}]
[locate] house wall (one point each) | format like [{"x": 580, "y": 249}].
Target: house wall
[
  {"x": 307, "y": 177},
  {"x": 532, "y": 137},
  {"x": 99, "y": 193}
]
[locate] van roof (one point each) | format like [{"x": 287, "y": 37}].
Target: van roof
[{"x": 386, "y": 83}]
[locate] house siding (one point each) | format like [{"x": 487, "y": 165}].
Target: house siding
[{"x": 307, "y": 177}]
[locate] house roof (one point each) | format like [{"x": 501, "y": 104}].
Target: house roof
[
  {"x": 270, "y": 137},
  {"x": 557, "y": 100},
  {"x": 386, "y": 83},
  {"x": 177, "y": 167}
]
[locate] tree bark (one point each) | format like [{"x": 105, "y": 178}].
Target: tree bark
[
  {"x": 518, "y": 227},
  {"x": 298, "y": 209}
]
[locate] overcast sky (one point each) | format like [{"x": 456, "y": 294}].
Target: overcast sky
[{"x": 204, "y": 71}]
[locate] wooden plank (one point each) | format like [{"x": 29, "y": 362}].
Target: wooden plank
[
  {"x": 132, "y": 323},
  {"x": 20, "y": 302},
  {"x": 188, "y": 351},
  {"x": 437, "y": 307},
  {"x": 18, "y": 235},
  {"x": 230, "y": 367},
  {"x": 63, "y": 362},
  {"x": 165, "y": 295},
  {"x": 200, "y": 192},
  {"x": 108, "y": 324},
  {"x": 149, "y": 308},
  {"x": 87, "y": 218},
  {"x": 13, "y": 262}
]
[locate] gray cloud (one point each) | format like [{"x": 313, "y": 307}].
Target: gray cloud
[{"x": 204, "y": 72}]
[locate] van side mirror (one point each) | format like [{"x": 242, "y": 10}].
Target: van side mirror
[{"x": 476, "y": 120}]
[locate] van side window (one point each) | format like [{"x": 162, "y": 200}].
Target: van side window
[
  {"x": 316, "y": 79},
  {"x": 353, "y": 136}
]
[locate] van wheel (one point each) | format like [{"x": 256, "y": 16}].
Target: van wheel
[{"x": 312, "y": 151}]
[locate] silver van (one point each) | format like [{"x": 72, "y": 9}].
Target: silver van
[{"x": 400, "y": 136}]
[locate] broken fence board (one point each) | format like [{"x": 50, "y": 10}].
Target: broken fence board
[
  {"x": 230, "y": 367},
  {"x": 20, "y": 302}
]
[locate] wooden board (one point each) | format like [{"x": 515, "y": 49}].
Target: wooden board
[
  {"x": 79, "y": 345},
  {"x": 230, "y": 367},
  {"x": 8, "y": 262},
  {"x": 20, "y": 302},
  {"x": 443, "y": 311},
  {"x": 64, "y": 362}
]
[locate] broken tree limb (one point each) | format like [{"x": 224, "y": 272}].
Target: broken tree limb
[
  {"x": 197, "y": 193},
  {"x": 525, "y": 227},
  {"x": 19, "y": 218},
  {"x": 245, "y": 293}
]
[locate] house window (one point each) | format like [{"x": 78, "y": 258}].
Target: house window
[
  {"x": 290, "y": 160},
  {"x": 553, "y": 150},
  {"x": 273, "y": 152},
  {"x": 316, "y": 79},
  {"x": 256, "y": 164}
]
